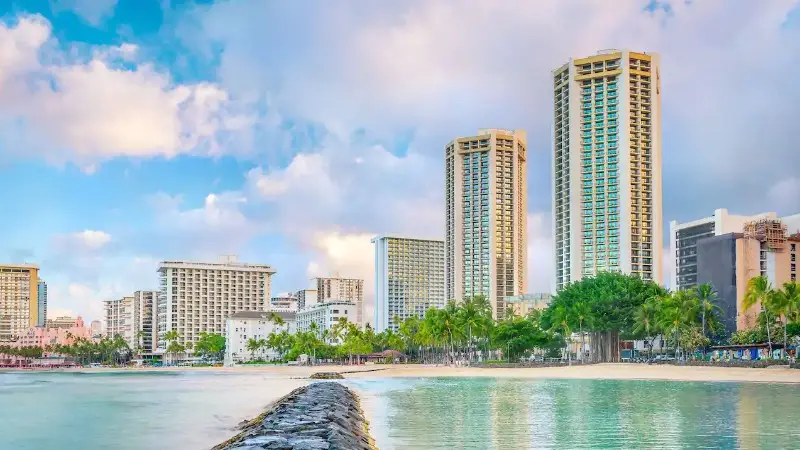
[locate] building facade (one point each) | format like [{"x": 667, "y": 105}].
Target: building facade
[
  {"x": 683, "y": 238},
  {"x": 524, "y": 304},
  {"x": 343, "y": 289},
  {"x": 41, "y": 295},
  {"x": 325, "y": 316},
  {"x": 286, "y": 302},
  {"x": 119, "y": 319},
  {"x": 245, "y": 325},
  {"x": 729, "y": 261},
  {"x": 486, "y": 202},
  {"x": 409, "y": 279},
  {"x": 97, "y": 328},
  {"x": 46, "y": 336},
  {"x": 145, "y": 321},
  {"x": 607, "y": 213},
  {"x": 19, "y": 300},
  {"x": 197, "y": 297},
  {"x": 61, "y": 322},
  {"x": 306, "y": 298}
]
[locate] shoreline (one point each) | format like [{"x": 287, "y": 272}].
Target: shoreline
[{"x": 610, "y": 371}]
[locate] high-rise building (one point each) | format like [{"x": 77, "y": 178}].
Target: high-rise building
[
  {"x": 306, "y": 298},
  {"x": 119, "y": 319},
  {"x": 145, "y": 321},
  {"x": 19, "y": 302},
  {"x": 683, "y": 238},
  {"x": 486, "y": 201},
  {"x": 409, "y": 278},
  {"x": 199, "y": 297},
  {"x": 607, "y": 166},
  {"x": 342, "y": 290},
  {"x": 96, "y": 328},
  {"x": 41, "y": 317}
]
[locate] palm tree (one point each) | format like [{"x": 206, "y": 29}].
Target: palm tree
[
  {"x": 276, "y": 319},
  {"x": 561, "y": 317},
  {"x": 581, "y": 312},
  {"x": 706, "y": 295},
  {"x": 646, "y": 319},
  {"x": 759, "y": 291},
  {"x": 786, "y": 303}
]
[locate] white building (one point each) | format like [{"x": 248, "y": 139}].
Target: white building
[
  {"x": 245, "y": 325},
  {"x": 306, "y": 298},
  {"x": 409, "y": 278},
  {"x": 119, "y": 319},
  {"x": 145, "y": 320},
  {"x": 326, "y": 315},
  {"x": 607, "y": 209},
  {"x": 683, "y": 239},
  {"x": 286, "y": 302},
  {"x": 343, "y": 289},
  {"x": 198, "y": 297},
  {"x": 486, "y": 204}
]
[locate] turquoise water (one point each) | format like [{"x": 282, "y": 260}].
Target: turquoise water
[{"x": 195, "y": 410}]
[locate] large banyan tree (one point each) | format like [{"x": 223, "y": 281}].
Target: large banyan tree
[{"x": 603, "y": 307}]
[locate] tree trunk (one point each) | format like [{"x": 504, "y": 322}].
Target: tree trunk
[{"x": 769, "y": 335}]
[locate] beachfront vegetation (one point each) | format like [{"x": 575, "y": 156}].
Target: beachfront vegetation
[{"x": 112, "y": 351}]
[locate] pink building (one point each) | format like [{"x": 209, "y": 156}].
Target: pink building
[{"x": 41, "y": 337}]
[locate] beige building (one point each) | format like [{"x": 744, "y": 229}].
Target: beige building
[
  {"x": 19, "y": 302},
  {"x": 119, "y": 319},
  {"x": 343, "y": 290},
  {"x": 607, "y": 166},
  {"x": 409, "y": 279},
  {"x": 61, "y": 322},
  {"x": 523, "y": 304},
  {"x": 145, "y": 320},
  {"x": 197, "y": 297},
  {"x": 486, "y": 201}
]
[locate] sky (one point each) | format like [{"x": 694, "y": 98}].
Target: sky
[{"x": 290, "y": 133}]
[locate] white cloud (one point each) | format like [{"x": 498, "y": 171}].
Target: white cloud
[
  {"x": 92, "y": 11},
  {"x": 88, "y": 111},
  {"x": 83, "y": 241}
]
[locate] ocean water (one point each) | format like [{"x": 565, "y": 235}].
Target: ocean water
[{"x": 196, "y": 410}]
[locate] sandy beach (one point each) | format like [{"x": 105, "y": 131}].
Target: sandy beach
[{"x": 592, "y": 372}]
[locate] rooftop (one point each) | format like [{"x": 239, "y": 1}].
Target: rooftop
[{"x": 285, "y": 315}]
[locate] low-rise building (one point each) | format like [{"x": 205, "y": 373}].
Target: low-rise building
[
  {"x": 342, "y": 289},
  {"x": 61, "y": 322},
  {"x": 43, "y": 336},
  {"x": 286, "y": 302},
  {"x": 243, "y": 326},
  {"x": 325, "y": 316},
  {"x": 525, "y": 303}
]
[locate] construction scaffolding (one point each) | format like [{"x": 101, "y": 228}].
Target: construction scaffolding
[{"x": 770, "y": 232}]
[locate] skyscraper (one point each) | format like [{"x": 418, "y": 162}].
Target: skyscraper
[
  {"x": 607, "y": 166},
  {"x": 19, "y": 303},
  {"x": 409, "y": 278},
  {"x": 486, "y": 201},
  {"x": 41, "y": 316}
]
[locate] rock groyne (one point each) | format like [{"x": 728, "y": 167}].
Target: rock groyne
[{"x": 320, "y": 416}]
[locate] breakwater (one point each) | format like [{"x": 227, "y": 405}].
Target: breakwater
[{"x": 320, "y": 416}]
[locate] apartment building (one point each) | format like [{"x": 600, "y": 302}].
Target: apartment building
[
  {"x": 41, "y": 296},
  {"x": 286, "y": 302},
  {"x": 524, "y": 304},
  {"x": 342, "y": 289},
  {"x": 409, "y": 278},
  {"x": 325, "y": 316},
  {"x": 607, "y": 209},
  {"x": 197, "y": 297},
  {"x": 19, "y": 302},
  {"x": 683, "y": 238},
  {"x": 119, "y": 319},
  {"x": 246, "y": 325},
  {"x": 63, "y": 322},
  {"x": 306, "y": 298},
  {"x": 764, "y": 248},
  {"x": 145, "y": 320},
  {"x": 485, "y": 215}
]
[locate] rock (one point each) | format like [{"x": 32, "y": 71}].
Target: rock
[
  {"x": 327, "y": 376},
  {"x": 321, "y": 416}
]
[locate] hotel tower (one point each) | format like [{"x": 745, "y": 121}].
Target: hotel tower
[
  {"x": 486, "y": 200},
  {"x": 607, "y": 166}
]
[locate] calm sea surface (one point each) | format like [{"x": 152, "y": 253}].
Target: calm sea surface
[{"x": 195, "y": 410}]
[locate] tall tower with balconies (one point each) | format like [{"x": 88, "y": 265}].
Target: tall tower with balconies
[
  {"x": 486, "y": 201},
  {"x": 607, "y": 166}
]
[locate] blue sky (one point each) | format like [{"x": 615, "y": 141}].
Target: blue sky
[{"x": 289, "y": 133}]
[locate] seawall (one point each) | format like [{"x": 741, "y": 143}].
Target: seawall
[{"x": 320, "y": 416}]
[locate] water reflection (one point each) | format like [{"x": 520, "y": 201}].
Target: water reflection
[{"x": 483, "y": 413}]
